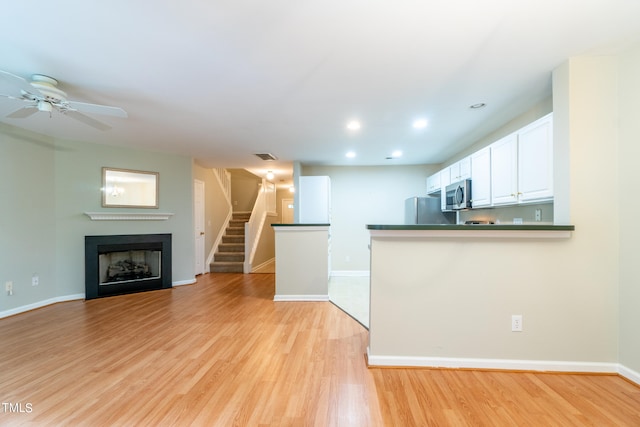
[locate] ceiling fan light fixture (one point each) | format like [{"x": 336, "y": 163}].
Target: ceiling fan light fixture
[
  {"x": 42, "y": 94},
  {"x": 45, "y": 106}
]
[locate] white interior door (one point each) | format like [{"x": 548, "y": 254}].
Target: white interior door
[
  {"x": 287, "y": 211},
  {"x": 198, "y": 209}
]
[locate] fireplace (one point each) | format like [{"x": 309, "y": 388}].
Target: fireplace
[{"x": 122, "y": 264}]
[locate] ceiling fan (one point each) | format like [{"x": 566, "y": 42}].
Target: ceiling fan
[{"x": 42, "y": 94}]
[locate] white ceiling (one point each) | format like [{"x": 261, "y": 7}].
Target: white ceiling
[{"x": 221, "y": 80}]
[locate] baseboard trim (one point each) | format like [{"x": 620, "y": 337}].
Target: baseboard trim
[
  {"x": 503, "y": 364},
  {"x": 301, "y": 298},
  {"x": 629, "y": 374},
  {"x": 264, "y": 264},
  {"x": 498, "y": 364},
  {"x": 65, "y": 298},
  {"x": 40, "y": 304},
  {"x": 349, "y": 273},
  {"x": 184, "y": 282}
]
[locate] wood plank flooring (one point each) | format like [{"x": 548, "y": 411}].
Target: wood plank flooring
[{"x": 222, "y": 353}]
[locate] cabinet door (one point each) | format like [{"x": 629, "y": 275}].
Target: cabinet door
[
  {"x": 504, "y": 170},
  {"x": 460, "y": 170},
  {"x": 433, "y": 183},
  {"x": 481, "y": 178},
  {"x": 535, "y": 160},
  {"x": 445, "y": 179},
  {"x": 465, "y": 168}
]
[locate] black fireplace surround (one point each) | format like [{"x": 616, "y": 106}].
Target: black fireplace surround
[{"x": 133, "y": 277}]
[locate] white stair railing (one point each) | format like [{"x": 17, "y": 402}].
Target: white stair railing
[
  {"x": 265, "y": 203},
  {"x": 224, "y": 177},
  {"x": 224, "y": 180}
]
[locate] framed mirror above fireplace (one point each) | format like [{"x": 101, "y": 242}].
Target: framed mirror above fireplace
[{"x": 126, "y": 188}]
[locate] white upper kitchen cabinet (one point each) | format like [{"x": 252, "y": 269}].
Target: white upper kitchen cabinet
[
  {"x": 481, "y": 178},
  {"x": 433, "y": 183},
  {"x": 460, "y": 170},
  {"x": 535, "y": 160},
  {"x": 504, "y": 170},
  {"x": 522, "y": 165},
  {"x": 445, "y": 179}
]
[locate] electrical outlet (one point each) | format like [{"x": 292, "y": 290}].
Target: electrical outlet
[
  {"x": 35, "y": 280},
  {"x": 538, "y": 214},
  {"x": 9, "y": 288},
  {"x": 517, "y": 221},
  {"x": 516, "y": 323}
]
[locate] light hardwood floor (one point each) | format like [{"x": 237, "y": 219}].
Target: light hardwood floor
[{"x": 222, "y": 353}]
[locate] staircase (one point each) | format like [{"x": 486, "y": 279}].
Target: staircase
[{"x": 230, "y": 255}]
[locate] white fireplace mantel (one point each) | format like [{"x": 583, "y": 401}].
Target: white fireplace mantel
[{"x": 129, "y": 216}]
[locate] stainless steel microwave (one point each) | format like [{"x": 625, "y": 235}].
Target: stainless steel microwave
[{"x": 458, "y": 195}]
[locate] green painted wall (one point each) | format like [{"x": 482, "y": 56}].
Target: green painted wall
[
  {"x": 48, "y": 185},
  {"x": 27, "y": 217}
]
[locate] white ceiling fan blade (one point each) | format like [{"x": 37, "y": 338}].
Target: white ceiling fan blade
[
  {"x": 19, "y": 83},
  {"x": 98, "y": 109},
  {"x": 87, "y": 120},
  {"x": 23, "y": 112}
]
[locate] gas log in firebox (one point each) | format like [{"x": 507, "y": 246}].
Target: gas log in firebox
[{"x": 122, "y": 264}]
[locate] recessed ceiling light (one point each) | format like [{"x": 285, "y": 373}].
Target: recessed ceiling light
[
  {"x": 354, "y": 125},
  {"x": 396, "y": 154},
  {"x": 351, "y": 154},
  {"x": 270, "y": 175},
  {"x": 419, "y": 124},
  {"x": 478, "y": 105}
]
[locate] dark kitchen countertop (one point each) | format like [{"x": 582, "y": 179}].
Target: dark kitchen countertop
[
  {"x": 467, "y": 227},
  {"x": 300, "y": 225}
]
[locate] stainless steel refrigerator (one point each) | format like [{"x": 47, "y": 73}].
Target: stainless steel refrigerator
[{"x": 426, "y": 210}]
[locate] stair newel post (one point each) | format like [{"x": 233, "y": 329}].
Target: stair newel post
[{"x": 246, "y": 266}]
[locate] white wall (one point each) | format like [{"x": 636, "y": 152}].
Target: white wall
[
  {"x": 366, "y": 195},
  {"x": 629, "y": 153},
  {"x": 302, "y": 267},
  {"x": 452, "y": 298}
]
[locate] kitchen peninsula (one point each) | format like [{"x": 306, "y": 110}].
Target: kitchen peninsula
[
  {"x": 444, "y": 296},
  {"x": 302, "y": 262}
]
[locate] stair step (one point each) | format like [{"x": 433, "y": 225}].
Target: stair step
[
  {"x": 228, "y": 256},
  {"x": 235, "y": 231},
  {"x": 241, "y": 216},
  {"x": 231, "y": 247},
  {"x": 233, "y": 239},
  {"x": 227, "y": 267}
]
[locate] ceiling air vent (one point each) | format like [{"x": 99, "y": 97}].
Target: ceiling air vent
[{"x": 266, "y": 156}]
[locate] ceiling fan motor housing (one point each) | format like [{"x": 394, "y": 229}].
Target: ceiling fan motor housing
[{"x": 48, "y": 87}]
